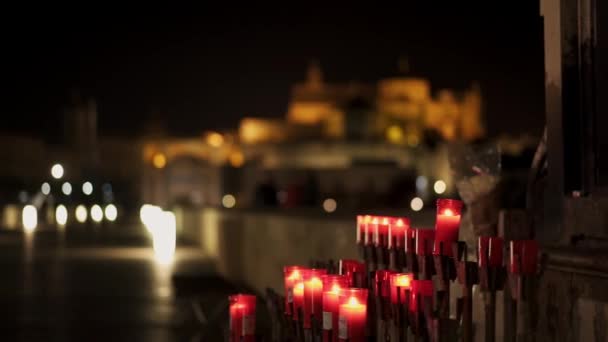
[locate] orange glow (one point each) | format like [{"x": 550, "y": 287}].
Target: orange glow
[
  {"x": 315, "y": 282},
  {"x": 375, "y": 220},
  {"x": 237, "y": 159},
  {"x": 295, "y": 275},
  {"x": 353, "y": 301},
  {"x": 448, "y": 212},
  {"x": 385, "y": 220},
  {"x": 159, "y": 160},
  {"x": 367, "y": 219},
  {"x": 335, "y": 289},
  {"x": 215, "y": 139},
  {"x": 298, "y": 290},
  {"x": 403, "y": 280}
]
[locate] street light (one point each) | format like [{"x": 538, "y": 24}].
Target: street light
[
  {"x": 66, "y": 188},
  {"x": 57, "y": 171},
  {"x": 96, "y": 213},
  {"x": 45, "y": 188},
  {"x": 87, "y": 188}
]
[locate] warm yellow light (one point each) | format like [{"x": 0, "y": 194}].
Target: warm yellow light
[
  {"x": 159, "y": 160},
  {"x": 29, "y": 217},
  {"x": 298, "y": 288},
  {"x": 295, "y": 274},
  {"x": 148, "y": 214},
  {"x": 439, "y": 186},
  {"x": 81, "y": 213},
  {"x": 237, "y": 159},
  {"x": 353, "y": 301},
  {"x": 228, "y": 201},
  {"x": 215, "y": 139},
  {"x": 164, "y": 237},
  {"x": 57, "y": 171},
  {"x": 111, "y": 212},
  {"x": 61, "y": 215},
  {"x": 403, "y": 281},
  {"x": 394, "y": 134},
  {"x": 413, "y": 140},
  {"x": 96, "y": 213},
  {"x": 330, "y": 205},
  {"x": 335, "y": 289},
  {"x": 416, "y": 204}
]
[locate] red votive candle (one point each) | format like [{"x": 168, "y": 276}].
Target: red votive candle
[
  {"x": 354, "y": 270},
  {"x": 352, "y": 318},
  {"x": 380, "y": 228},
  {"x": 291, "y": 275},
  {"x": 396, "y": 232},
  {"x": 369, "y": 230},
  {"x": 383, "y": 278},
  {"x": 410, "y": 240},
  {"x": 483, "y": 246},
  {"x": 362, "y": 221},
  {"x": 419, "y": 290},
  {"x": 424, "y": 241},
  {"x": 447, "y": 224},
  {"x": 524, "y": 256},
  {"x": 313, "y": 295},
  {"x": 332, "y": 288},
  {"x": 489, "y": 249},
  {"x": 529, "y": 260},
  {"x": 242, "y": 317},
  {"x": 298, "y": 299},
  {"x": 400, "y": 283},
  {"x": 495, "y": 256}
]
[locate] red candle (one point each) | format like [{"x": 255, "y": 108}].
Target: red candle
[
  {"x": 400, "y": 283},
  {"x": 382, "y": 288},
  {"x": 419, "y": 290},
  {"x": 352, "y": 320},
  {"x": 369, "y": 230},
  {"x": 380, "y": 228},
  {"x": 483, "y": 245},
  {"x": 313, "y": 295},
  {"x": 529, "y": 259},
  {"x": 424, "y": 241},
  {"x": 396, "y": 232},
  {"x": 410, "y": 241},
  {"x": 298, "y": 299},
  {"x": 362, "y": 221},
  {"x": 354, "y": 270},
  {"x": 242, "y": 318},
  {"x": 359, "y": 293},
  {"x": 496, "y": 251},
  {"x": 490, "y": 251},
  {"x": 332, "y": 288},
  {"x": 291, "y": 275},
  {"x": 447, "y": 225}
]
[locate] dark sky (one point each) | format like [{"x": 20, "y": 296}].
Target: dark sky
[{"x": 204, "y": 68}]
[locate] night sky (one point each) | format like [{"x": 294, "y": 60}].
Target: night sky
[{"x": 203, "y": 68}]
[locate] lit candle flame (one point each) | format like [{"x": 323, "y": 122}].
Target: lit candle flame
[
  {"x": 335, "y": 289},
  {"x": 403, "y": 281},
  {"x": 448, "y": 212},
  {"x": 353, "y": 301}
]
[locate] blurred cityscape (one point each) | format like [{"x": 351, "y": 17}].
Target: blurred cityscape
[{"x": 341, "y": 146}]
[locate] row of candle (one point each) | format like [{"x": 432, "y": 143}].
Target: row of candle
[{"x": 395, "y": 233}]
